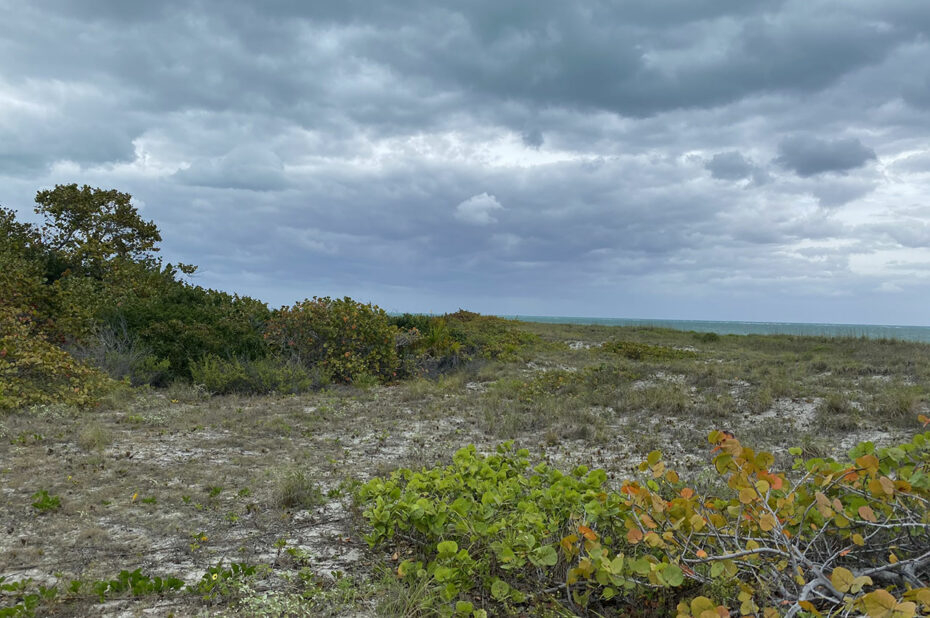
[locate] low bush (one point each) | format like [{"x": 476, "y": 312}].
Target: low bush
[
  {"x": 34, "y": 371},
  {"x": 343, "y": 337},
  {"x": 831, "y": 537},
  {"x": 117, "y": 352},
  {"x": 645, "y": 352},
  {"x": 490, "y": 337},
  {"x": 181, "y": 323},
  {"x": 264, "y": 375}
]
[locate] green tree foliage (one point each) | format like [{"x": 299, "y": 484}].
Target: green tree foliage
[
  {"x": 90, "y": 271},
  {"x": 344, "y": 337},
  {"x": 88, "y": 227},
  {"x": 22, "y": 270}
]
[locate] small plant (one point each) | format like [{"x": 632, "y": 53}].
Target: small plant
[
  {"x": 26, "y": 598},
  {"x": 223, "y": 581},
  {"x": 94, "y": 437},
  {"x": 44, "y": 502},
  {"x": 24, "y": 439},
  {"x": 135, "y": 583},
  {"x": 294, "y": 489}
]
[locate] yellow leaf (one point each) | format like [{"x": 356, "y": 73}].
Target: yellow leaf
[
  {"x": 879, "y": 604},
  {"x": 654, "y": 540},
  {"x": 869, "y": 462},
  {"x": 858, "y": 540},
  {"x": 859, "y": 582},
  {"x": 762, "y": 486},
  {"x": 702, "y": 604},
  {"x": 697, "y": 522},
  {"x": 746, "y": 495},
  {"x": 921, "y": 595},
  {"x": 767, "y": 522},
  {"x": 808, "y": 606},
  {"x": 842, "y": 579}
]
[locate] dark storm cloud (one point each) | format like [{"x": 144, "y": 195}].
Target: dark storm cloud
[
  {"x": 808, "y": 155},
  {"x": 548, "y": 157}
]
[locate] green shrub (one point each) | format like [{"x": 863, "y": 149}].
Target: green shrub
[
  {"x": 490, "y": 337},
  {"x": 345, "y": 338},
  {"x": 410, "y": 321},
  {"x": 34, "y": 371},
  {"x": 430, "y": 345},
  {"x": 645, "y": 352},
  {"x": 846, "y": 536},
  {"x": 264, "y": 375},
  {"x": 182, "y": 323}
]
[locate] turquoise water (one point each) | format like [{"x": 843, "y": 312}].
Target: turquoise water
[{"x": 871, "y": 331}]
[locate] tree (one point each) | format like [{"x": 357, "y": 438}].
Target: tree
[{"x": 90, "y": 226}]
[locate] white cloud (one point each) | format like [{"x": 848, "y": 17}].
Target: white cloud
[{"x": 477, "y": 209}]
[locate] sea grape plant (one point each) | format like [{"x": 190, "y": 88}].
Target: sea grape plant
[
  {"x": 827, "y": 537},
  {"x": 344, "y": 337}
]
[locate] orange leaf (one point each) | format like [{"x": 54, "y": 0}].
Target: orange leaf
[
  {"x": 700, "y": 553},
  {"x": 587, "y": 533},
  {"x": 634, "y": 536},
  {"x": 687, "y": 493}
]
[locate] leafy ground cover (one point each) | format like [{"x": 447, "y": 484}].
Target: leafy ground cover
[{"x": 173, "y": 485}]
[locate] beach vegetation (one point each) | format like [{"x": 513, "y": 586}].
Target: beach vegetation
[{"x": 498, "y": 530}]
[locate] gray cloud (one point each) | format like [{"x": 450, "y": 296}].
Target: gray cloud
[
  {"x": 732, "y": 165},
  {"x": 609, "y": 159},
  {"x": 808, "y": 155}
]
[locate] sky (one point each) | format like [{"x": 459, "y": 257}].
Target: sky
[{"x": 685, "y": 159}]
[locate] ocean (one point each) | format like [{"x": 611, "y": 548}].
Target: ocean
[{"x": 871, "y": 331}]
